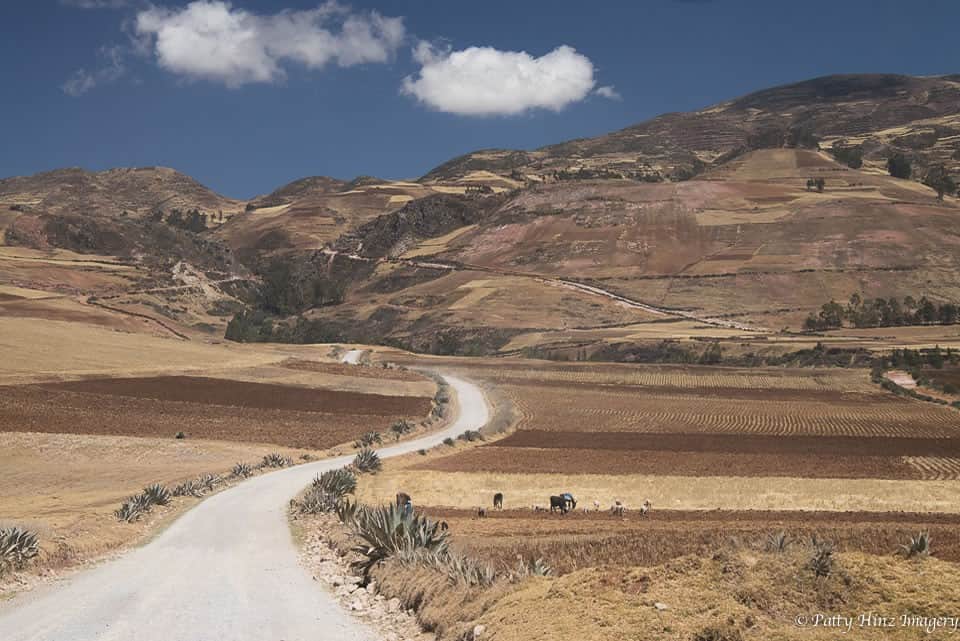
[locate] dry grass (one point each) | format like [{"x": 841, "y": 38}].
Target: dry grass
[
  {"x": 436, "y": 245},
  {"x": 469, "y": 489},
  {"x": 66, "y": 486},
  {"x": 739, "y": 594}
]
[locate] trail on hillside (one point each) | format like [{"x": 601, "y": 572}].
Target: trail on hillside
[
  {"x": 226, "y": 570},
  {"x": 588, "y": 289}
]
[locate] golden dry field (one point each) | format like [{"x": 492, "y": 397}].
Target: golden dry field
[{"x": 90, "y": 415}]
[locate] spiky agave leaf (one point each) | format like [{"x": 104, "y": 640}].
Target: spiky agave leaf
[
  {"x": 778, "y": 542},
  {"x": 189, "y": 488},
  {"x": 367, "y": 461},
  {"x": 368, "y": 439},
  {"x": 338, "y": 482},
  {"x": 388, "y": 530},
  {"x": 242, "y": 470},
  {"x": 17, "y": 547},
  {"x": 275, "y": 459},
  {"x": 918, "y": 547},
  {"x": 821, "y": 562},
  {"x": 318, "y": 501},
  {"x": 156, "y": 494},
  {"x": 133, "y": 508}
]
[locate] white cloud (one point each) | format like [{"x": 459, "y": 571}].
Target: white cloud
[
  {"x": 609, "y": 92},
  {"x": 483, "y": 81},
  {"x": 82, "y": 80},
  {"x": 212, "y": 40}
]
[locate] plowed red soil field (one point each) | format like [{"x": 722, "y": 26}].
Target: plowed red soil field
[
  {"x": 524, "y": 460},
  {"x": 203, "y": 408},
  {"x": 710, "y": 421}
]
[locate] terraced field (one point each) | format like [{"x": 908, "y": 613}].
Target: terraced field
[{"x": 700, "y": 421}]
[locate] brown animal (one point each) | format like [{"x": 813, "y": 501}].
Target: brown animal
[
  {"x": 481, "y": 512},
  {"x": 498, "y": 501}
]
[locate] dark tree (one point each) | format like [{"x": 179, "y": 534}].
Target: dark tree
[
  {"x": 940, "y": 181},
  {"x": 899, "y": 166}
]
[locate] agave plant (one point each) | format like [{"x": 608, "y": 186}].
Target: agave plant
[
  {"x": 188, "y": 488},
  {"x": 401, "y": 427},
  {"x": 469, "y": 571},
  {"x": 133, "y": 508},
  {"x": 918, "y": 547},
  {"x": 317, "y": 501},
  {"x": 275, "y": 460},
  {"x": 778, "y": 542},
  {"x": 388, "y": 530},
  {"x": 242, "y": 470},
  {"x": 367, "y": 461},
  {"x": 17, "y": 547},
  {"x": 339, "y": 482},
  {"x": 156, "y": 494},
  {"x": 821, "y": 563},
  {"x": 347, "y": 511},
  {"x": 209, "y": 482},
  {"x": 539, "y": 567},
  {"x": 368, "y": 439}
]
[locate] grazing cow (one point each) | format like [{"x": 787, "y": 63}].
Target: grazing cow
[
  {"x": 443, "y": 526},
  {"x": 618, "y": 508},
  {"x": 498, "y": 501},
  {"x": 596, "y": 506},
  {"x": 565, "y": 502},
  {"x": 645, "y": 508},
  {"x": 481, "y": 512}
]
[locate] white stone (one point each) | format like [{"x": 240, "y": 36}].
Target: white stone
[
  {"x": 661, "y": 606},
  {"x": 478, "y": 631}
]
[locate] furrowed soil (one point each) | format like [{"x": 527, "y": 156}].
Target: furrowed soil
[{"x": 204, "y": 408}]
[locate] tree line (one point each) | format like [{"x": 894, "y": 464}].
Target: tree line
[{"x": 882, "y": 312}]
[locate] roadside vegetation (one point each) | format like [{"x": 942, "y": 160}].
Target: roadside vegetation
[
  {"x": 139, "y": 505},
  {"x": 18, "y": 547}
]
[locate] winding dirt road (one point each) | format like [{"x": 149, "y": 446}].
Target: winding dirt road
[{"x": 227, "y": 570}]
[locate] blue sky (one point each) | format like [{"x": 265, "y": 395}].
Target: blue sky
[{"x": 249, "y": 95}]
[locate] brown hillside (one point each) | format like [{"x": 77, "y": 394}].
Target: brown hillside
[{"x": 881, "y": 113}]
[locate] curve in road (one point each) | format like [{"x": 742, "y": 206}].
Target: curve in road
[{"x": 227, "y": 570}]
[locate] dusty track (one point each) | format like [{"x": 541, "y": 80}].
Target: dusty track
[{"x": 228, "y": 569}]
